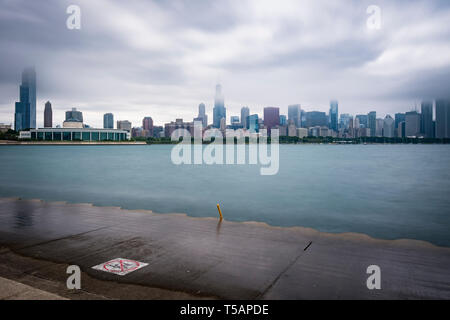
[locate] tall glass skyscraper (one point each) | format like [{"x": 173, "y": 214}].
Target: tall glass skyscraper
[
  {"x": 253, "y": 123},
  {"x": 108, "y": 121},
  {"x": 219, "y": 111},
  {"x": 426, "y": 119},
  {"x": 271, "y": 118},
  {"x": 294, "y": 114},
  {"x": 245, "y": 112},
  {"x": 334, "y": 115},
  {"x": 372, "y": 122},
  {"x": 48, "y": 115},
  {"x": 25, "y": 111},
  {"x": 442, "y": 118}
]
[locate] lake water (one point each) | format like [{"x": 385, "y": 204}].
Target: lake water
[{"x": 385, "y": 191}]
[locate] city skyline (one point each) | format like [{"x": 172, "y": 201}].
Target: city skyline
[
  {"x": 344, "y": 125},
  {"x": 294, "y": 113},
  {"x": 302, "y": 53}
]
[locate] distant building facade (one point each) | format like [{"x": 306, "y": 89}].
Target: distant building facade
[
  {"x": 147, "y": 127},
  {"x": 245, "y": 112},
  {"x": 294, "y": 114},
  {"x": 372, "y": 123},
  {"x": 389, "y": 127},
  {"x": 77, "y": 134},
  {"x": 316, "y": 118},
  {"x": 202, "y": 117},
  {"x": 124, "y": 125},
  {"x": 426, "y": 119},
  {"x": 219, "y": 111},
  {"x": 108, "y": 121},
  {"x": 271, "y": 118},
  {"x": 442, "y": 118},
  {"x": 25, "y": 109},
  {"x": 48, "y": 115},
  {"x": 334, "y": 114}
]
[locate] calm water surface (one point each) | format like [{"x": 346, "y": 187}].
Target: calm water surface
[{"x": 386, "y": 191}]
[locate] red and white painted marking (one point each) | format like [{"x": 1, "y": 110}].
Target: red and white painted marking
[{"x": 120, "y": 266}]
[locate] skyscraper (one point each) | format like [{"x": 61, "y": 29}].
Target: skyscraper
[
  {"x": 372, "y": 123},
  {"x": 271, "y": 118},
  {"x": 344, "y": 121},
  {"x": 245, "y": 112},
  {"x": 399, "y": 117},
  {"x": 253, "y": 123},
  {"x": 294, "y": 114},
  {"x": 124, "y": 125},
  {"x": 363, "y": 120},
  {"x": 442, "y": 118},
  {"x": 74, "y": 115},
  {"x": 389, "y": 127},
  {"x": 25, "y": 109},
  {"x": 202, "y": 117},
  {"x": 108, "y": 121},
  {"x": 147, "y": 126},
  {"x": 412, "y": 124},
  {"x": 219, "y": 111},
  {"x": 48, "y": 115},
  {"x": 334, "y": 114},
  {"x": 316, "y": 118},
  {"x": 283, "y": 120},
  {"x": 426, "y": 119}
]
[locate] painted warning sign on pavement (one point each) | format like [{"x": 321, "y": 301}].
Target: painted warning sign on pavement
[{"x": 120, "y": 266}]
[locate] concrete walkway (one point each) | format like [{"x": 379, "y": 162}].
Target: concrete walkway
[
  {"x": 202, "y": 257},
  {"x": 13, "y": 290}
]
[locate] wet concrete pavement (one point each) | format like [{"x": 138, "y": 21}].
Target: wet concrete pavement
[{"x": 229, "y": 260}]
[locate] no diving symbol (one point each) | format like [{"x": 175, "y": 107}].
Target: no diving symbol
[{"x": 120, "y": 266}]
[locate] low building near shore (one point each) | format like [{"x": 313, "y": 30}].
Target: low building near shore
[
  {"x": 4, "y": 127},
  {"x": 75, "y": 134}
]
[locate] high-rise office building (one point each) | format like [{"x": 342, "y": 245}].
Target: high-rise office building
[
  {"x": 426, "y": 119},
  {"x": 372, "y": 123},
  {"x": 124, "y": 125},
  {"x": 74, "y": 115},
  {"x": 25, "y": 109},
  {"x": 401, "y": 130},
  {"x": 245, "y": 112},
  {"x": 202, "y": 117},
  {"x": 379, "y": 124},
  {"x": 399, "y": 117},
  {"x": 271, "y": 118},
  {"x": 283, "y": 120},
  {"x": 362, "y": 121},
  {"x": 147, "y": 126},
  {"x": 334, "y": 114},
  {"x": 412, "y": 124},
  {"x": 389, "y": 127},
  {"x": 48, "y": 115},
  {"x": 316, "y": 118},
  {"x": 253, "y": 123},
  {"x": 219, "y": 111},
  {"x": 294, "y": 114},
  {"x": 344, "y": 121},
  {"x": 108, "y": 121},
  {"x": 234, "y": 120},
  {"x": 442, "y": 118}
]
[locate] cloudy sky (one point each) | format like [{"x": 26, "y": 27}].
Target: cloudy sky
[{"x": 162, "y": 58}]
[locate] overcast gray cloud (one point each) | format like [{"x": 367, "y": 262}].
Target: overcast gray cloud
[{"x": 162, "y": 58}]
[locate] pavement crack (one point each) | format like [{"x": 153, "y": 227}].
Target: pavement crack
[{"x": 262, "y": 294}]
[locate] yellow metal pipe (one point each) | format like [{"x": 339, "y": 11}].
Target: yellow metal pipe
[{"x": 220, "y": 212}]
